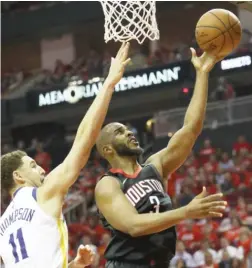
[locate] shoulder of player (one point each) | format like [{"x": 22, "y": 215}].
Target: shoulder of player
[
  {"x": 24, "y": 191},
  {"x": 155, "y": 165},
  {"x": 106, "y": 186}
]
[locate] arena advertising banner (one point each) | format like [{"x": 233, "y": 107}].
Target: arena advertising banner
[
  {"x": 147, "y": 79},
  {"x": 78, "y": 90},
  {"x": 235, "y": 63}
]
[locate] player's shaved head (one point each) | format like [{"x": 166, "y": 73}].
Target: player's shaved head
[
  {"x": 106, "y": 136},
  {"x": 116, "y": 139}
]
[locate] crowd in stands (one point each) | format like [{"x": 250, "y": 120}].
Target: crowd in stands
[
  {"x": 97, "y": 64},
  {"x": 19, "y": 6},
  {"x": 11, "y": 80},
  {"x": 206, "y": 243}
]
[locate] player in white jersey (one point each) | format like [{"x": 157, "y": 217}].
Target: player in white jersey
[{"x": 33, "y": 233}]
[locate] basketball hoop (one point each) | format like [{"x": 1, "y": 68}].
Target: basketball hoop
[{"x": 127, "y": 20}]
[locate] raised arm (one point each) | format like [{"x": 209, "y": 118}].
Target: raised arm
[
  {"x": 181, "y": 143},
  {"x": 63, "y": 176},
  {"x": 120, "y": 213}
]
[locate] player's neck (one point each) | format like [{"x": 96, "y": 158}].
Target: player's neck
[
  {"x": 14, "y": 190},
  {"x": 128, "y": 164}
]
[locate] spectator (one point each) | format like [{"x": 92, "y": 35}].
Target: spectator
[
  {"x": 206, "y": 151},
  {"x": 59, "y": 71},
  {"x": 226, "y": 224},
  {"x": 200, "y": 257},
  {"x": 241, "y": 208},
  {"x": 43, "y": 158},
  {"x": 105, "y": 239},
  {"x": 192, "y": 163},
  {"x": 240, "y": 145},
  {"x": 186, "y": 197},
  {"x": 180, "y": 264},
  {"x": 182, "y": 254},
  {"x": 209, "y": 234},
  {"x": 21, "y": 145},
  {"x": 226, "y": 260},
  {"x": 86, "y": 240},
  {"x": 223, "y": 91},
  {"x": 106, "y": 63},
  {"x": 31, "y": 150},
  {"x": 233, "y": 233},
  {"x": 6, "y": 148},
  {"x": 227, "y": 185},
  {"x": 227, "y": 251},
  {"x": 249, "y": 259},
  {"x": 94, "y": 225},
  {"x": 155, "y": 59},
  {"x": 138, "y": 59},
  {"x": 191, "y": 235},
  {"x": 226, "y": 164},
  {"x": 245, "y": 240},
  {"x": 211, "y": 166},
  {"x": 236, "y": 263},
  {"x": 209, "y": 261},
  {"x": 94, "y": 64}
]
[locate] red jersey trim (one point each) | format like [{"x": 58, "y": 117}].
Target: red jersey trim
[{"x": 133, "y": 176}]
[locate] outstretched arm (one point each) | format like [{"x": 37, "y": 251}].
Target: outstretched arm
[
  {"x": 120, "y": 213},
  {"x": 63, "y": 176},
  {"x": 181, "y": 143}
]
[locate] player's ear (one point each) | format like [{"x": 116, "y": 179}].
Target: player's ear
[
  {"x": 107, "y": 150},
  {"x": 17, "y": 177}
]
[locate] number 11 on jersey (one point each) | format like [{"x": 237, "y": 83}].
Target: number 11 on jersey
[
  {"x": 155, "y": 201},
  {"x": 20, "y": 242}
]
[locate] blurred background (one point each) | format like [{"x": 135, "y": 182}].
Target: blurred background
[{"x": 54, "y": 59}]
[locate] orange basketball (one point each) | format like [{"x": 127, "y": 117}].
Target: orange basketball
[{"x": 218, "y": 32}]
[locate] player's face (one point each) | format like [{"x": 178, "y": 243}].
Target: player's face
[
  {"x": 124, "y": 142},
  {"x": 29, "y": 173}
]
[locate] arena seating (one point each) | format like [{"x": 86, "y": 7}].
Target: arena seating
[
  {"x": 211, "y": 242},
  {"x": 97, "y": 65}
]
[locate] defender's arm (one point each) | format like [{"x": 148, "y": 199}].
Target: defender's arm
[{"x": 63, "y": 176}]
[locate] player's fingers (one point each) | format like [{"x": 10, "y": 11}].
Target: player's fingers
[
  {"x": 125, "y": 51},
  {"x": 119, "y": 53},
  {"x": 82, "y": 250},
  {"x": 211, "y": 198},
  {"x": 126, "y": 62},
  {"x": 202, "y": 194},
  {"x": 89, "y": 250},
  {"x": 193, "y": 52},
  {"x": 204, "y": 55},
  {"x": 215, "y": 204},
  {"x": 92, "y": 259},
  {"x": 217, "y": 209},
  {"x": 214, "y": 215},
  {"x": 81, "y": 247}
]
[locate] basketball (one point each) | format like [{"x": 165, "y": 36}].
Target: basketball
[{"x": 218, "y": 32}]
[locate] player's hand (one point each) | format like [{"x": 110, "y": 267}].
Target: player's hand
[
  {"x": 203, "y": 206},
  {"x": 85, "y": 256},
  {"x": 118, "y": 64},
  {"x": 204, "y": 63}
]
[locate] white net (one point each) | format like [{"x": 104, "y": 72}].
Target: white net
[{"x": 127, "y": 20}]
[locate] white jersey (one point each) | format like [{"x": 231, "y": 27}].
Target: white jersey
[{"x": 30, "y": 238}]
